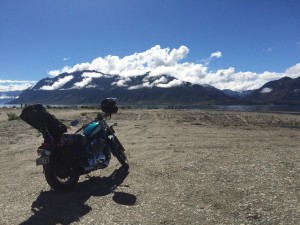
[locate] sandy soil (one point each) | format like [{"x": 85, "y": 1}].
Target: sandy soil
[{"x": 186, "y": 167}]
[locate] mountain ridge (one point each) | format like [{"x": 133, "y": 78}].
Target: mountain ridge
[
  {"x": 283, "y": 91},
  {"x": 90, "y": 87},
  {"x": 7, "y": 96}
]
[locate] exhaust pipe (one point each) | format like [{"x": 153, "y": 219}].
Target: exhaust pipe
[{"x": 88, "y": 169}]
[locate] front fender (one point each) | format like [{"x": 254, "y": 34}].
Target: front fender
[{"x": 113, "y": 144}]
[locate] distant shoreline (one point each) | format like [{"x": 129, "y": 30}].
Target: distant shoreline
[{"x": 293, "y": 109}]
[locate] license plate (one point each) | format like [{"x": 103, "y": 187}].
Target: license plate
[{"x": 42, "y": 160}]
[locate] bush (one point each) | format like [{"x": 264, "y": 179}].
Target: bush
[
  {"x": 100, "y": 115},
  {"x": 12, "y": 116}
]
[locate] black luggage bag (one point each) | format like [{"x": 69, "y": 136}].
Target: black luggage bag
[{"x": 39, "y": 118}]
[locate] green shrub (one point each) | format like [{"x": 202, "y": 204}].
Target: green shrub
[
  {"x": 12, "y": 116},
  {"x": 83, "y": 114},
  {"x": 100, "y": 115}
]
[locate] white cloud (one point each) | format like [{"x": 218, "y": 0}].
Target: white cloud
[
  {"x": 15, "y": 85},
  {"x": 122, "y": 82},
  {"x": 172, "y": 83},
  {"x": 57, "y": 84},
  {"x": 164, "y": 61},
  {"x": 293, "y": 71},
  {"x": 268, "y": 50},
  {"x": 15, "y": 81},
  {"x": 161, "y": 80},
  {"x": 55, "y": 73},
  {"x": 87, "y": 79},
  {"x": 239, "y": 81},
  {"x": 216, "y": 55},
  {"x": 6, "y": 97},
  {"x": 147, "y": 85},
  {"x": 266, "y": 90},
  {"x": 132, "y": 65}
]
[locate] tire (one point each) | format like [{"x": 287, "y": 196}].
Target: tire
[
  {"x": 120, "y": 154},
  {"x": 58, "y": 176},
  {"x": 122, "y": 158}
]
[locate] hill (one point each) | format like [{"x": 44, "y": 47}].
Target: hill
[
  {"x": 90, "y": 87},
  {"x": 285, "y": 91}
]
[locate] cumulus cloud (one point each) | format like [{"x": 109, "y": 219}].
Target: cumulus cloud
[
  {"x": 239, "y": 81},
  {"x": 87, "y": 79},
  {"x": 165, "y": 61},
  {"x": 172, "y": 83},
  {"x": 216, "y": 54},
  {"x": 132, "y": 65},
  {"x": 57, "y": 84},
  {"x": 55, "y": 73},
  {"x": 122, "y": 82},
  {"x": 293, "y": 71},
  {"x": 15, "y": 85}
]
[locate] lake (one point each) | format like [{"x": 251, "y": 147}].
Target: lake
[{"x": 240, "y": 108}]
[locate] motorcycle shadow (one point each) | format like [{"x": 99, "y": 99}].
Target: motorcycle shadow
[{"x": 53, "y": 207}]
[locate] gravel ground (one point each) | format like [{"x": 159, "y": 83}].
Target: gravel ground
[{"x": 186, "y": 167}]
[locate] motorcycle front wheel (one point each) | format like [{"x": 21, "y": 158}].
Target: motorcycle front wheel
[
  {"x": 60, "y": 177},
  {"x": 120, "y": 154}
]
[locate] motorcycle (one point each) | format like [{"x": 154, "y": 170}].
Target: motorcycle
[{"x": 88, "y": 149}]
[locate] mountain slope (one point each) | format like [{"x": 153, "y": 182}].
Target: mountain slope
[
  {"x": 237, "y": 94},
  {"x": 283, "y": 91},
  {"x": 7, "y": 96},
  {"x": 90, "y": 87}
]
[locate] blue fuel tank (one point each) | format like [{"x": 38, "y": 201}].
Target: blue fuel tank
[{"x": 92, "y": 129}]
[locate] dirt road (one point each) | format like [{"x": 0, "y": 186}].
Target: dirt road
[{"x": 186, "y": 167}]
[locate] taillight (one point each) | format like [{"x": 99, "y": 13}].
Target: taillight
[
  {"x": 39, "y": 151},
  {"x": 45, "y": 145},
  {"x": 42, "y": 148},
  {"x": 43, "y": 152}
]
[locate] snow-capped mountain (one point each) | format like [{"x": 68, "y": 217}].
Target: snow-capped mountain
[
  {"x": 285, "y": 91},
  {"x": 90, "y": 87}
]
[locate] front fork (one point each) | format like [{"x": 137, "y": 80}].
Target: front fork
[{"x": 115, "y": 144}]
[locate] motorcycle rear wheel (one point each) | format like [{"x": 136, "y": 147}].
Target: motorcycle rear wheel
[{"x": 59, "y": 177}]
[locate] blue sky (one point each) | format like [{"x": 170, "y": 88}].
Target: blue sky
[{"x": 255, "y": 38}]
